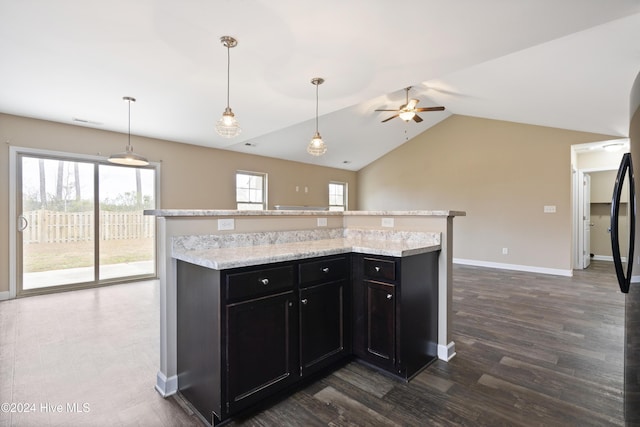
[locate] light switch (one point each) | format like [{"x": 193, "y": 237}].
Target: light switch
[
  {"x": 322, "y": 222},
  {"x": 550, "y": 209}
]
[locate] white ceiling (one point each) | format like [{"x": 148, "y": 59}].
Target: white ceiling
[{"x": 567, "y": 64}]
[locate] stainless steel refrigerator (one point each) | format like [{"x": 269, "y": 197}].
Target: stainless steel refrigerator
[{"x": 624, "y": 203}]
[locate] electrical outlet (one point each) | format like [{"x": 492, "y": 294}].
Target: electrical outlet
[
  {"x": 226, "y": 224},
  {"x": 322, "y": 222},
  {"x": 550, "y": 209},
  {"x": 505, "y": 251},
  {"x": 387, "y": 222}
]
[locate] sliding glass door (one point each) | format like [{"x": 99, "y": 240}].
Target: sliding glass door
[
  {"x": 81, "y": 223},
  {"x": 127, "y": 237}
]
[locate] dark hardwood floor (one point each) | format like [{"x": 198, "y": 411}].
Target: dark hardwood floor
[{"x": 532, "y": 350}]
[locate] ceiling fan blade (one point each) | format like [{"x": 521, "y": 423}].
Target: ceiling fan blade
[
  {"x": 385, "y": 110},
  {"x": 417, "y": 118},
  {"x": 392, "y": 117},
  {"x": 412, "y": 104},
  {"x": 430, "y": 109}
]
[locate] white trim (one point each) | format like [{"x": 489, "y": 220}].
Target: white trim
[
  {"x": 516, "y": 267},
  {"x": 4, "y": 295},
  {"x": 606, "y": 258},
  {"x": 447, "y": 352},
  {"x": 166, "y": 386},
  {"x": 635, "y": 279}
]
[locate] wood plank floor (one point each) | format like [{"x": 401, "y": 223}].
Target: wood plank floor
[{"x": 531, "y": 350}]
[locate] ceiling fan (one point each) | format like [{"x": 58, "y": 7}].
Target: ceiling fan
[{"x": 408, "y": 111}]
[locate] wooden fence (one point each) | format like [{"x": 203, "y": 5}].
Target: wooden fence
[{"x": 62, "y": 227}]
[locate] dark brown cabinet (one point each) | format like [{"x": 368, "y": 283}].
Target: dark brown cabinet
[
  {"x": 380, "y": 322},
  {"x": 324, "y": 313},
  {"x": 260, "y": 348},
  {"x": 395, "y": 318},
  {"x": 246, "y": 334}
]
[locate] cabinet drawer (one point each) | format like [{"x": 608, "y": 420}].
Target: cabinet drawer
[
  {"x": 325, "y": 270},
  {"x": 259, "y": 282},
  {"x": 376, "y": 268}
]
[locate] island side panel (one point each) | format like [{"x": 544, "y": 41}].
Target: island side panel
[{"x": 199, "y": 337}]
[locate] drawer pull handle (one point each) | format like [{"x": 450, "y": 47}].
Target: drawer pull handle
[
  {"x": 304, "y": 301},
  {"x": 389, "y": 296},
  {"x": 377, "y": 269},
  {"x": 264, "y": 281},
  {"x": 325, "y": 270}
]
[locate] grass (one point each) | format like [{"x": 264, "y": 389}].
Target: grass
[{"x": 57, "y": 256}]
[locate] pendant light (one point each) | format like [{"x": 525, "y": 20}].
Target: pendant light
[
  {"x": 317, "y": 146},
  {"x": 228, "y": 126},
  {"x": 128, "y": 158}
]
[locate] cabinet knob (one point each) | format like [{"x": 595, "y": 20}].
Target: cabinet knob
[
  {"x": 389, "y": 296},
  {"x": 304, "y": 301},
  {"x": 325, "y": 270},
  {"x": 377, "y": 269},
  {"x": 264, "y": 281}
]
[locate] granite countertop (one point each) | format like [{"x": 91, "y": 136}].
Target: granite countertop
[
  {"x": 218, "y": 213},
  {"x": 208, "y": 251}
]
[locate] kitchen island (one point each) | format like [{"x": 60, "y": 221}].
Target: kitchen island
[{"x": 225, "y": 240}]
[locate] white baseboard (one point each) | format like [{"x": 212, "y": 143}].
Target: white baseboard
[
  {"x": 516, "y": 267},
  {"x": 446, "y": 352},
  {"x": 604, "y": 258},
  {"x": 635, "y": 279},
  {"x": 166, "y": 386},
  {"x": 4, "y": 295}
]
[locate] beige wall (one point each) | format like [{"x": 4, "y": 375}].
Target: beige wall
[
  {"x": 501, "y": 173},
  {"x": 193, "y": 177}
]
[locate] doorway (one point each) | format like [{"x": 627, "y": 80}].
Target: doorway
[
  {"x": 80, "y": 222},
  {"x": 592, "y": 199}
]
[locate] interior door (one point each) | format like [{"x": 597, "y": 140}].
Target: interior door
[{"x": 586, "y": 220}]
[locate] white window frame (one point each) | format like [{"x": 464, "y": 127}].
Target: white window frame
[
  {"x": 338, "y": 207},
  {"x": 249, "y": 204}
]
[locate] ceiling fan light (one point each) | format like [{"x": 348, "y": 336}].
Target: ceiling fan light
[
  {"x": 406, "y": 115},
  {"x": 317, "y": 147}
]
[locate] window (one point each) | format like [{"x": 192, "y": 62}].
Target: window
[
  {"x": 251, "y": 191},
  {"x": 337, "y": 196}
]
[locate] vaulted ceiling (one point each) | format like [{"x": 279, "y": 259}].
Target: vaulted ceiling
[{"x": 567, "y": 64}]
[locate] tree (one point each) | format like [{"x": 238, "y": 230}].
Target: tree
[{"x": 43, "y": 186}]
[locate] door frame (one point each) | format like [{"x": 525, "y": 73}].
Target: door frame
[
  {"x": 578, "y": 223},
  {"x": 14, "y": 152}
]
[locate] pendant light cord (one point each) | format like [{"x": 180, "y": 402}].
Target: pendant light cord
[
  {"x": 228, "y": 72},
  {"x": 130, "y": 147},
  {"x": 317, "y": 107}
]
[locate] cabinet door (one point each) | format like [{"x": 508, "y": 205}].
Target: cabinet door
[
  {"x": 322, "y": 325},
  {"x": 260, "y": 355},
  {"x": 380, "y": 322}
]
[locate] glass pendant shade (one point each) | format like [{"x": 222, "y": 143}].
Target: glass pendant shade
[
  {"x": 128, "y": 158},
  {"x": 228, "y": 126},
  {"x": 317, "y": 146}
]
